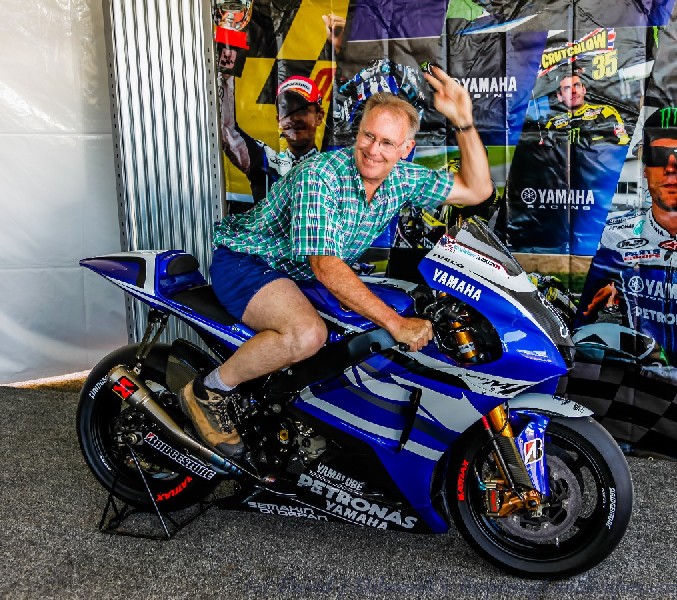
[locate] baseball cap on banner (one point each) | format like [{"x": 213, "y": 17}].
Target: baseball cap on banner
[
  {"x": 294, "y": 93},
  {"x": 661, "y": 124}
]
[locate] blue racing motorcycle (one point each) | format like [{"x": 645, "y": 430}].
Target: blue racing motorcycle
[{"x": 469, "y": 430}]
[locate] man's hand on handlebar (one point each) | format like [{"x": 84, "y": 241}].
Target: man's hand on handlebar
[{"x": 413, "y": 333}]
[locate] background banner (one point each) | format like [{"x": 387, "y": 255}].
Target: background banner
[{"x": 561, "y": 92}]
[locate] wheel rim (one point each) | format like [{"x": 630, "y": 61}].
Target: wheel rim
[
  {"x": 575, "y": 514},
  {"x": 108, "y": 422}
]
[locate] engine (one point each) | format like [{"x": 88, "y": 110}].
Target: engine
[
  {"x": 461, "y": 332},
  {"x": 275, "y": 440}
]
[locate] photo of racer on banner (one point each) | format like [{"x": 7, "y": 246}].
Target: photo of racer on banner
[
  {"x": 299, "y": 114},
  {"x": 257, "y": 82},
  {"x": 584, "y": 122},
  {"x": 632, "y": 281},
  {"x": 573, "y": 146}
]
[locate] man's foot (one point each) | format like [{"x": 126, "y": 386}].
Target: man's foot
[{"x": 207, "y": 409}]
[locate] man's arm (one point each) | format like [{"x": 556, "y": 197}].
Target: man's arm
[
  {"x": 350, "y": 291},
  {"x": 234, "y": 145},
  {"x": 472, "y": 184}
]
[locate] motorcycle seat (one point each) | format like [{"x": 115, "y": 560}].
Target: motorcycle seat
[{"x": 203, "y": 300}]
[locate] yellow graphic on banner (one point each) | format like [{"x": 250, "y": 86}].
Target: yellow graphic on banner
[
  {"x": 304, "y": 41},
  {"x": 307, "y": 34}
]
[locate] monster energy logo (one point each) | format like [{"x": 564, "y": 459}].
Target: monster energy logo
[
  {"x": 668, "y": 117},
  {"x": 575, "y": 135}
]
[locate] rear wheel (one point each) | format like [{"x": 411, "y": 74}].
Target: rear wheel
[
  {"x": 584, "y": 517},
  {"x": 104, "y": 421}
]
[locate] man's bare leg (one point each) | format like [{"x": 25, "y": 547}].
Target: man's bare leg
[{"x": 290, "y": 329}]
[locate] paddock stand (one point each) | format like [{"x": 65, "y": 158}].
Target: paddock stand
[{"x": 114, "y": 517}]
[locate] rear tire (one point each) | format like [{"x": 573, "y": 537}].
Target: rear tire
[
  {"x": 102, "y": 415},
  {"x": 591, "y": 499}
]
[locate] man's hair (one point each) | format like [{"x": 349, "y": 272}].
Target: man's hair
[
  {"x": 394, "y": 104},
  {"x": 661, "y": 124}
]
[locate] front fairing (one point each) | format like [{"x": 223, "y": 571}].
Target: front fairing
[{"x": 472, "y": 265}]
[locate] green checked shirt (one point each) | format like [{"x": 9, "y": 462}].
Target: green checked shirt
[{"x": 320, "y": 208}]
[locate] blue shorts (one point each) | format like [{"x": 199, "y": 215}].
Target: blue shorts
[{"x": 236, "y": 277}]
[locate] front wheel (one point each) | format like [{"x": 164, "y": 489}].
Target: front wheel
[{"x": 582, "y": 520}]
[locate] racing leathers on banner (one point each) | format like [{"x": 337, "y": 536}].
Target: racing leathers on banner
[
  {"x": 633, "y": 279},
  {"x": 591, "y": 123}
]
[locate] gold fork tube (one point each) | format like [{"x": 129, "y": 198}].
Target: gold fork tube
[{"x": 498, "y": 417}]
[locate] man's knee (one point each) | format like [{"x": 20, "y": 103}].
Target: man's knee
[{"x": 308, "y": 339}]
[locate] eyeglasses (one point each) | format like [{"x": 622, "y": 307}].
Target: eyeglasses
[
  {"x": 364, "y": 138},
  {"x": 658, "y": 156}
]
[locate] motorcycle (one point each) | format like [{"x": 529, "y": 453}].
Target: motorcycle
[{"x": 469, "y": 430}]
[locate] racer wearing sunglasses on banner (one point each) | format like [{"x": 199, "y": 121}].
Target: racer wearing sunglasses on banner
[
  {"x": 314, "y": 223},
  {"x": 633, "y": 277}
]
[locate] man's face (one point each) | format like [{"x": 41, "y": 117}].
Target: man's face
[
  {"x": 382, "y": 140},
  {"x": 571, "y": 92},
  {"x": 660, "y": 170},
  {"x": 300, "y": 125}
]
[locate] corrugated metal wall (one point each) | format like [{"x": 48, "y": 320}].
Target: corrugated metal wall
[{"x": 165, "y": 128}]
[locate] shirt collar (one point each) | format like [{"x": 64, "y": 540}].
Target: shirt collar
[{"x": 656, "y": 226}]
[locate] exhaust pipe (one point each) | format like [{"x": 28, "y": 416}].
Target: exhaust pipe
[{"x": 128, "y": 386}]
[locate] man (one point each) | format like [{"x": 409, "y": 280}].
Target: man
[
  {"x": 315, "y": 222},
  {"x": 299, "y": 114},
  {"x": 586, "y": 123},
  {"x": 633, "y": 279}
]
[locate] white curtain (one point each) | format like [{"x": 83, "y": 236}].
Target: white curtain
[{"x": 57, "y": 190}]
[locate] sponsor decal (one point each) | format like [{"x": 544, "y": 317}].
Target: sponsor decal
[
  {"x": 457, "y": 284},
  {"x": 668, "y": 245},
  {"x": 95, "y": 390},
  {"x": 619, "y": 130},
  {"x": 574, "y": 135},
  {"x": 460, "y": 481},
  {"x": 355, "y": 508},
  {"x": 612, "y": 507},
  {"x": 654, "y": 288},
  {"x": 639, "y": 255},
  {"x": 187, "y": 462},
  {"x": 494, "y": 387},
  {"x": 555, "y": 199},
  {"x": 636, "y": 285},
  {"x": 658, "y": 316},
  {"x": 327, "y": 473},
  {"x": 176, "y": 491},
  {"x": 124, "y": 387},
  {"x": 461, "y": 249},
  {"x": 596, "y": 42},
  {"x": 282, "y": 510},
  {"x": 533, "y": 451},
  {"x": 668, "y": 117},
  {"x": 484, "y": 87},
  {"x": 632, "y": 243},
  {"x": 591, "y": 114}
]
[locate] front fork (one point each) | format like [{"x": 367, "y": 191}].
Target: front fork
[{"x": 520, "y": 461}]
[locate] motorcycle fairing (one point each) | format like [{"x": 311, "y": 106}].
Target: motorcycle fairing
[
  {"x": 499, "y": 299},
  {"x": 163, "y": 280},
  {"x": 331, "y": 309}
]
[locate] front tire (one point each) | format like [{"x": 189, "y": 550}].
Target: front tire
[
  {"x": 589, "y": 508},
  {"x": 102, "y": 417}
]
